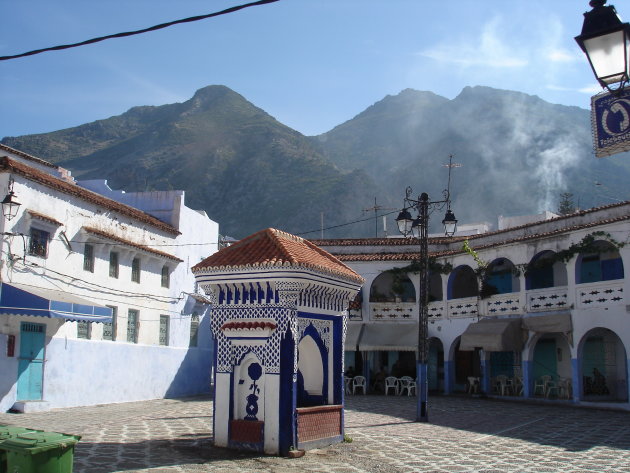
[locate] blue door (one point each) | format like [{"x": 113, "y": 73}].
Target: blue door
[{"x": 31, "y": 362}]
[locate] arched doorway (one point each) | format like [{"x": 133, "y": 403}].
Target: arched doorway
[
  {"x": 603, "y": 366},
  {"x": 467, "y": 365}
]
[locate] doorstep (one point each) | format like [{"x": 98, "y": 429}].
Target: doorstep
[{"x": 26, "y": 407}]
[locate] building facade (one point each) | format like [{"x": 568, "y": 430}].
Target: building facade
[
  {"x": 534, "y": 311},
  {"x": 97, "y": 300}
]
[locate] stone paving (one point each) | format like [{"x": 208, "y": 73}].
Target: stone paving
[{"x": 463, "y": 435}]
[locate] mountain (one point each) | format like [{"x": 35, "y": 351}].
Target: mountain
[
  {"x": 518, "y": 153},
  {"x": 236, "y": 162},
  {"x": 248, "y": 171}
]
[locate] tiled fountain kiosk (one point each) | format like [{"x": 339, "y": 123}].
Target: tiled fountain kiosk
[{"x": 279, "y": 321}]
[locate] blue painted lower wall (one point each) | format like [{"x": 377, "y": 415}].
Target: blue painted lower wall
[{"x": 84, "y": 372}]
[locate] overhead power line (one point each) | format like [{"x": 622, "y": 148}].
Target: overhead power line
[{"x": 145, "y": 30}]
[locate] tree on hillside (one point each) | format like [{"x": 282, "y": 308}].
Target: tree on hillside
[{"x": 566, "y": 205}]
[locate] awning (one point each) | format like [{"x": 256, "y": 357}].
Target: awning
[
  {"x": 17, "y": 299},
  {"x": 352, "y": 336},
  {"x": 547, "y": 322},
  {"x": 389, "y": 337},
  {"x": 493, "y": 335}
]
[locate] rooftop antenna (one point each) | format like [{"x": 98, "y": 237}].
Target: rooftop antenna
[{"x": 375, "y": 209}]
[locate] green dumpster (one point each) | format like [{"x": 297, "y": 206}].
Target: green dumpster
[
  {"x": 40, "y": 452},
  {"x": 7, "y": 432}
]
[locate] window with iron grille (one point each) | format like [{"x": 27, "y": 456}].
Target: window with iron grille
[
  {"x": 132, "y": 326},
  {"x": 84, "y": 329},
  {"x": 135, "y": 270},
  {"x": 164, "y": 329},
  {"x": 39, "y": 243},
  {"x": 166, "y": 276},
  {"x": 109, "y": 330},
  {"x": 113, "y": 264},
  {"x": 194, "y": 329},
  {"x": 88, "y": 258}
]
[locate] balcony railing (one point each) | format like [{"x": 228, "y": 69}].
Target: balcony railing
[
  {"x": 502, "y": 304},
  {"x": 599, "y": 294},
  {"x": 552, "y": 298},
  {"x": 384, "y": 311}
]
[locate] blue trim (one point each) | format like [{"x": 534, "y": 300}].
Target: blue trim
[
  {"x": 275, "y": 276},
  {"x": 448, "y": 376},
  {"x": 287, "y": 399},
  {"x": 15, "y": 301},
  {"x": 576, "y": 370},
  {"x": 528, "y": 370},
  {"x": 215, "y": 349},
  {"x": 485, "y": 377}
]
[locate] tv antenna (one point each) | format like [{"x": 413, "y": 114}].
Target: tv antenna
[{"x": 375, "y": 209}]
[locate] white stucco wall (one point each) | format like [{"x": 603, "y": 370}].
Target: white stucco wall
[{"x": 85, "y": 372}]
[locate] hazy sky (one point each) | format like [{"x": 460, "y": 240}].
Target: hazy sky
[{"x": 312, "y": 64}]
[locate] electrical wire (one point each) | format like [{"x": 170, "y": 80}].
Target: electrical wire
[
  {"x": 137, "y": 32},
  {"x": 345, "y": 224}
]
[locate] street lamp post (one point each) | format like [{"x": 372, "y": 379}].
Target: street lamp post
[{"x": 419, "y": 228}]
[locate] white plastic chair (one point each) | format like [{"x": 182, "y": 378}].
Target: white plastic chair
[
  {"x": 503, "y": 384},
  {"x": 358, "y": 382},
  {"x": 473, "y": 384},
  {"x": 391, "y": 382},
  {"x": 406, "y": 384},
  {"x": 541, "y": 384}
]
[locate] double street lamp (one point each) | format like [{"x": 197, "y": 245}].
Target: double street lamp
[{"x": 419, "y": 228}]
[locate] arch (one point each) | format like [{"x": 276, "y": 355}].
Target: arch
[
  {"x": 312, "y": 370},
  {"x": 462, "y": 282},
  {"x": 390, "y": 287},
  {"x": 543, "y": 272},
  {"x": 602, "y": 366},
  {"x": 435, "y": 287},
  {"x": 602, "y": 264},
  {"x": 550, "y": 356},
  {"x": 501, "y": 277},
  {"x": 466, "y": 364},
  {"x": 249, "y": 389}
]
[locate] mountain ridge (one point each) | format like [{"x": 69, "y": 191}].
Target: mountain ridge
[{"x": 249, "y": 171}]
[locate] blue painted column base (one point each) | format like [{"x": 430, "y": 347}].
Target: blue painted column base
[
  {"x": 449, "y": 376},
  {"x": 422, "y": 386}
]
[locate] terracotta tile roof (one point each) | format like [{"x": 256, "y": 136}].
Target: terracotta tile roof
[
  {"x": 114, "y": 238},
  {"x": 43, "y": 217},
  {"x": 10, "y": 165},
  {"x": 248, "y": 325},
  {"x": 273, "y": 247},
  {"x": 410, "y": 256},
  {"x": 24, "y": 155}
]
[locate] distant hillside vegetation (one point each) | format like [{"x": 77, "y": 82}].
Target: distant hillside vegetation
[{"x": 248, "y": 171}]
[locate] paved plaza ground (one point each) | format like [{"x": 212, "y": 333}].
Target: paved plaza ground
[{"x": 463, "y": 435}]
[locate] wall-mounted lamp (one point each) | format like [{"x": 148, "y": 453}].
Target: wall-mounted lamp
[{"x": 10, "y": 205}]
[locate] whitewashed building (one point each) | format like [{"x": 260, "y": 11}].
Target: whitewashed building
[
  {"x": 546, "y": 319},
  {"x": 97, "y": 300}
]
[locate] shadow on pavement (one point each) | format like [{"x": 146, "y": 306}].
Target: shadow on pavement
[{"x": 568, "y": 427}]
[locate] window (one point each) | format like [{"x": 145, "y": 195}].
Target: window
[
  {"x": 84, "y": 329},
  {"x": 164, "y": 329},
  {"x": 109, "y": 330},
  {"x": 39, "y": 243},
  {"x": 166, "y": 276},
  {"x": 194, "y": 329},
  {"x": 135, "y": 270},
  {"x": 88, "y": 258},
  {"x": 132, "y": 326},
  {"x": 113, "y": 264}
]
